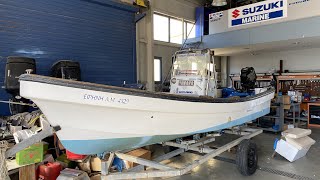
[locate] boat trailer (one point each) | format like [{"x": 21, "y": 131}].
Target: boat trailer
[{"x": 246, "y": 157}]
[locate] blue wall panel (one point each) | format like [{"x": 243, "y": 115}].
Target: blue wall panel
[{"x": 99, "y": 34}]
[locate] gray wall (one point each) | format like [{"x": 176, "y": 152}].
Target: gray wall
[
  {"x": 147, "y": 48},
  {"x": 179, "y": 8},
  {"x": 165, "y": 52},
  {"x": 295, "y": 60}
]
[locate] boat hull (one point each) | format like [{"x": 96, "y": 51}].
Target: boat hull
[
  {"x": 94, "y": 121},
  {"x": 96, "y": 146}
]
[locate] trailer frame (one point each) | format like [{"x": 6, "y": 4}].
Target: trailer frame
[{"x": 156, "y": 169}]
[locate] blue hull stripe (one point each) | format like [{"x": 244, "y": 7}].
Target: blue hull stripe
[{"x": 106, "y": 145}]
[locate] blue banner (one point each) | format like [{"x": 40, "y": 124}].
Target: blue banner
[{"x": 258, "y": 18}]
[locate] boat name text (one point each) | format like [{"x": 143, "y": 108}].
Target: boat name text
[{"x": 105, "y": 99}]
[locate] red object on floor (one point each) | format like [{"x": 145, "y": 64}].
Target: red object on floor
[
  {"x": 49, "y": 171},
  {"x": 73, "y": 156}
]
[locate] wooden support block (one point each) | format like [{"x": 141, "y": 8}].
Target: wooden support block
[{"x": 27, "y": 172}]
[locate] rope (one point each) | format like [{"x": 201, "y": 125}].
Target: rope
[
  {"x": 34, "y": 120},
  {"x": 18, "y": 103},
  {"x": 3, "y": 164}
]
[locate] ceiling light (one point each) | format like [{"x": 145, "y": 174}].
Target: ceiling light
[{"x": 219, "y": 3}]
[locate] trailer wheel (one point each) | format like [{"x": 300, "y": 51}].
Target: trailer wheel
[{"x": 247, "y": 157}]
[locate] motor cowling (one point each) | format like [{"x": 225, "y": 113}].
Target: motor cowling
[
  {"x": 14, "y": 68},
  {"x": 248, "y": 79},
  {"x": 66, "y": 69}
]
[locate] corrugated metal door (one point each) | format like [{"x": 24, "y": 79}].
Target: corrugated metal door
[{"x": 99, "y": 34}]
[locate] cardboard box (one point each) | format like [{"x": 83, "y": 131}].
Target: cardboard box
[
  {"x": 31, "y": 155},
  {"x": 287, "y": 126},
  {"x": 286, "y": 99},
  {"x": 141, "y": 153}
]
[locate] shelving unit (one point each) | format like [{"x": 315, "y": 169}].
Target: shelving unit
[
  {"x": 280, "y": 118},
  {"x": 305, "y": 83},
  {"x": 314, "y": 110},
  {"x": 302, "y": 81}
]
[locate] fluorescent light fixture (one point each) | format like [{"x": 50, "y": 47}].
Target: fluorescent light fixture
[{"x": 219, "y": 3}]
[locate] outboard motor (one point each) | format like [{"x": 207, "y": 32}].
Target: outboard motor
[
  {"x": 15, "y": 67},
  {"x": 248, "y": 79},
  {"x": 66, "y": 69}
]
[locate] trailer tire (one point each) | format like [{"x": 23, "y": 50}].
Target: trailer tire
[{"x": 247, "y": 157}]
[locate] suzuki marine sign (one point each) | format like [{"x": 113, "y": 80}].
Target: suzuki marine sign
[
  {"x": 258, "y": 12},
  {"x": 262, "y": 13}
]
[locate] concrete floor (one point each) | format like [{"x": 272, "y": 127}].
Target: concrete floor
[{"x": 308, "y": 166}]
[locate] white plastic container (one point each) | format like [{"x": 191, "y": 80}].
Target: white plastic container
[
  {"x": 290, "y": 152},
  {"x": 301, "y": 143}
]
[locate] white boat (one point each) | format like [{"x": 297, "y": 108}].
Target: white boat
[{"x": 98, "y": 118}]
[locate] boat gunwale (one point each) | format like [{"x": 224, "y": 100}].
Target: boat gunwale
[{"x": 135, "y": 92}]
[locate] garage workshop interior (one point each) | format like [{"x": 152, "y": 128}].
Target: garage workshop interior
[{"x": 160, "y": 89}]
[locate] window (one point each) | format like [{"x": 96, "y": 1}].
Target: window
[
  {"x": 175, "y": 31},
  {"x": 170, "y": 29},
  {"x": 157, "y": 69},
  {"x": 196, "y": 65},
  {"x": 191, "y": 31},
  {"x": 161, "y": 28}
]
